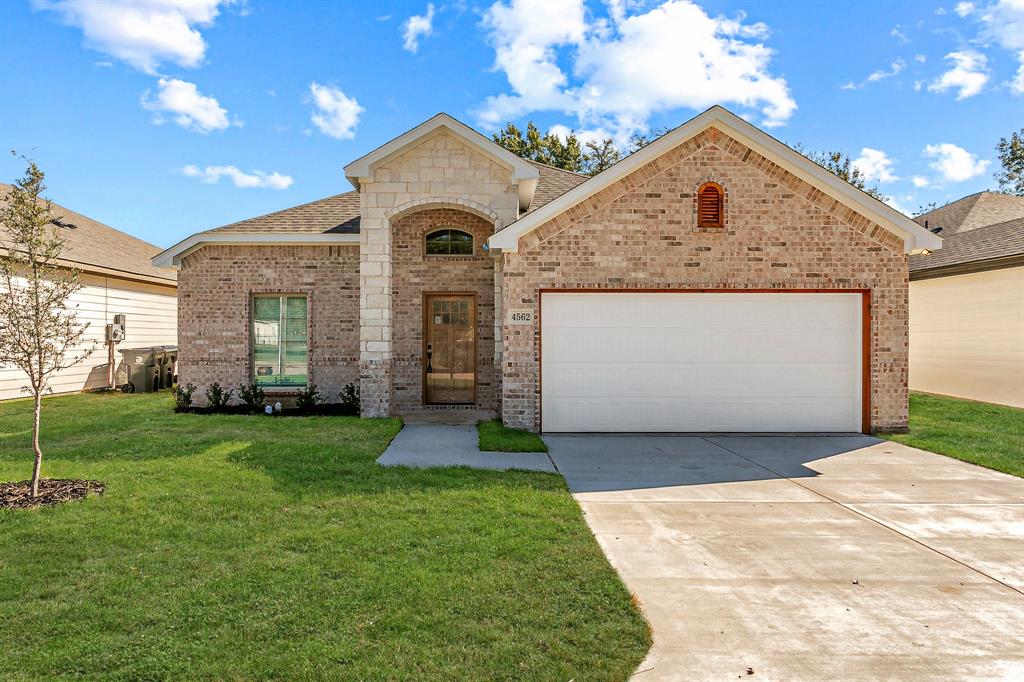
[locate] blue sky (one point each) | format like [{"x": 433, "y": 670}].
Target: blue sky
[{"x": 163, "y": 119}]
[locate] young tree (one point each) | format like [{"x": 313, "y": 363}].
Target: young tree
[
  {"x": 601, "y": 155},
  {"x": 1011, "y": 157},
  {"x": 38, "y": 332}
]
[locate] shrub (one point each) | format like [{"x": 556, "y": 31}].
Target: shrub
[
  {"x": 308, "y": 399},
  {"x": 349, "y": 397},
  {"x": 217, "y": 398},
  {"x": 252, "y": 395},
  {"x": 183, "y": 396}
]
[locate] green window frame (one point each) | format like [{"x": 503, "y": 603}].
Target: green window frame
[
  {"x": 280, "y": 347},
  {"x": 448, "y": 242}
]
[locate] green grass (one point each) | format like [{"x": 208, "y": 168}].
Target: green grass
[
  {"x": 496, "y": 437},
  {"x": 238, "y": 547},
  {"x": 980, "y": 433}
]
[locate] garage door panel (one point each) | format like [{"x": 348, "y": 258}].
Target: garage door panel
[{"x": 701, "y": 362}]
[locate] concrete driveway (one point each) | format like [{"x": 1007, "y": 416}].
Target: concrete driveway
[{"x": 808, "y": 558}]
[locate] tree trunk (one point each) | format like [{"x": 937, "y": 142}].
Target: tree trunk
[{"x": 35, "y": 445}]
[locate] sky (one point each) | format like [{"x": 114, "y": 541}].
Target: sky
[{"x": 166, "y": 117}]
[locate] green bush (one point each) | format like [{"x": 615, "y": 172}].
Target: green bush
[
  {"x": 217, "y": 398},
  {"x": 183, "y": 396},
  {"x": 350, "y": 399},
  {"x": 252, "y": 396},
  {"x": 308, "y": 399}
]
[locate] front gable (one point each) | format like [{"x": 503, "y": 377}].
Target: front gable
[{"x": 722, "y": 129}]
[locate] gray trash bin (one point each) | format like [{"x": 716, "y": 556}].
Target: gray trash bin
[{"x": 142, "y": 372}]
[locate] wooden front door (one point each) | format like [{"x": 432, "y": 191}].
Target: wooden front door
[{"x": 449, "y": 349}]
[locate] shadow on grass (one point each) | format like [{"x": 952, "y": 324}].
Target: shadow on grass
[{"x": 321, "y": 455}]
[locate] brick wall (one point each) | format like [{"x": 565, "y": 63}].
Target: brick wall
[
  {"x": 215, "y": 288},
  {"x": 414, "y": 274},
  {"x": 641, "y": 233}
]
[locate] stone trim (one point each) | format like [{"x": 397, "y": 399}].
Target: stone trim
[{"x": 453, "y": 203}]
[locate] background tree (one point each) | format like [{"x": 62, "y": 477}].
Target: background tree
[
  {"x": 600, "y": 155},
  {"x": 840, "y": 165},
  {"x": 549, "y": 149},
  {"x": 1011, "y": 157},
  {"x": 38, "y": 332},
  {"x": 640, "y": 140}
]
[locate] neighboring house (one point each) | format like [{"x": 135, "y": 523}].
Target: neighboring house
[
  {"x": 715, "y": 280},
  {"x": 967, "y": 302},
  {"x": 118, "y": 277}
]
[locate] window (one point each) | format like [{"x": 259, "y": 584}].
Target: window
[
  {"x": 710, "y": 209},
  {"x": 449, "y": 242},
  {"x": 279, "y": 350}
]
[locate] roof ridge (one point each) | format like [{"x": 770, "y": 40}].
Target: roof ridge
[{"x": 281, "y": 210}]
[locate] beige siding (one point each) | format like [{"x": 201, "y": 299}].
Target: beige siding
[
  {"x": 967, "y": 336},
  {"x": 151, "y": 312}
]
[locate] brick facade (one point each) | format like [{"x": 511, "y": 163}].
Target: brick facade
[
  {"x": 640, "y": 233},
  {"x": 215, "y": 289},
  {"x": 414, "y": 273}
]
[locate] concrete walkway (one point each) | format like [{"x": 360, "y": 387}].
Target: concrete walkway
[
  {"x": 808, "y": 558},
  {"x": 447, "y": 445}
]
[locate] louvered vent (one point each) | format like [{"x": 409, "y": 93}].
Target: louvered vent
[{"x": 709, "y": 206}]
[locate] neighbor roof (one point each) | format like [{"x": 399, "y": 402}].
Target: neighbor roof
[
  {"x": 973, "y": 211},
  {"x": 914, "y": 236},
  {"x": 95, "y": 247},
  {"x": 981, "y": 248}
]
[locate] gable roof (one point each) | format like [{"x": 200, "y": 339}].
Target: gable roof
[
  {"x": 973, "y": 211},
  {"x": 524, "y": 174},
  {"x": 333, "y": 219},
  {"x": 981, "y": 248},
  {"x": 94, "y": 247},
  {"x": 915, "y": 237}
]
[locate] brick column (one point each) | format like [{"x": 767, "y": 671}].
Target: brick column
[{"x": 375, "y": 308}]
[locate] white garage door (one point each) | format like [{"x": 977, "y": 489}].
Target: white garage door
[{"x": 701, "y": 362}]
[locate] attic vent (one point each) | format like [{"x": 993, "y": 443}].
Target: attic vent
[{"x": 710, "y": 208}]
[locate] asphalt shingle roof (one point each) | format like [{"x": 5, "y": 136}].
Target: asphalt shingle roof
[
  {"x": 980, "y": 244},
  {"x": 91, "y": 244},
  {"x": 339, "y": 214},
  {"x": 973, "y": 211}
]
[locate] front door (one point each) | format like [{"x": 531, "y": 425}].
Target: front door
[{"x": 449, "y": 353}]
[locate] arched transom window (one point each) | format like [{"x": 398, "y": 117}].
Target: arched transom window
[
  {"x": 449, "y": 242},
  {"x": 710, "y": 205}
]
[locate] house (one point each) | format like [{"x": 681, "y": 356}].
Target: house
[
  {"x": 715, "y": 280},
  {"x": 967, "y": 302},
  {"x": 117, "y": 278}
]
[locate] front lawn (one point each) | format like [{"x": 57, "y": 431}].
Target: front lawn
[
  {"x": 237, "y": 547},
  {"x": 980, "y": 433},
  {"x": 496, "y": 437}
]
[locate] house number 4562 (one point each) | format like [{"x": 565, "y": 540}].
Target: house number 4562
[{"x": 521, "y": 316}]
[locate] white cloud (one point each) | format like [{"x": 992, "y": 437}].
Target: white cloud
[
  {"x": 920, "y": 58},
  {"x": 416, "y": 26},
  {"x": 899, "y": 35},
  {"x": 1004, "y": 24},
  {"x": 920, "y": 181},
  {"x": 968, "y": 76},
  {"x": 954, "y": 163},
  {"x": 964, "y": 8},
  {"x": 190, "y": 108},
  {"x": 336, "y": 114},
  {"x": 142, "y": 33},
  {"x": 621, "y": 71},
  {"x": 212, "y": 174},
  {"x": 584, "y": 136},
  {"x": 896, "y": 203},
  {"x": 874, "y": 164},
  {"x": 894, "y": 70}
]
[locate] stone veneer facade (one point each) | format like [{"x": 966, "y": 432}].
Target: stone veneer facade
[
  {"x": 640, "y": 233},
  {"x": 438, "y": 172},
  {"x": 414, "y": 274},
  {"x": 215, "y": 291}
]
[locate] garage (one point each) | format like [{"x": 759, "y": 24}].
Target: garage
[{"x": 712, "y": 361}]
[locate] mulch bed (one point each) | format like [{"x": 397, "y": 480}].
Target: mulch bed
[
  {"x": 51, "y": 491},
  {"x": 322, "y": 410}
]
